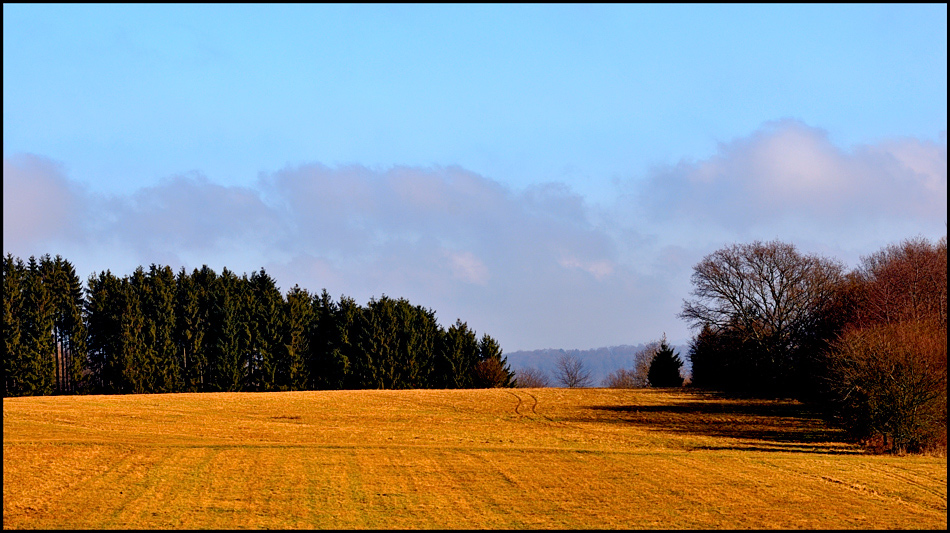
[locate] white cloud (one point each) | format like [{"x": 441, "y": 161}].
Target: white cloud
[
  {"x": 534, "y": 268},
  {"x": 40, "y": 205},
  {"x": 788, "y": 180},
  {"x": 598, "y": 269},
  {"x": 445, "y": 238},
  {"x": 467, "y": 267}
]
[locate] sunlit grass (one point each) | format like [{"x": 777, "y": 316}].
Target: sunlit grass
[{"x": 520, "y": 458}]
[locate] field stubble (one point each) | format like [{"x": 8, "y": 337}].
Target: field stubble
[{"x": 499, "y": 458}]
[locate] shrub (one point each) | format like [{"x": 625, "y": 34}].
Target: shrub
[
  {"x": 623, "y": 379},
  {"x": 491, "y": 373},
  {"x": 889, "y": 382}
]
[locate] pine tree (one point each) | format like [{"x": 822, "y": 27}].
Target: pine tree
[
  {"x": 492, "y": 369},
  {"x": 379, "y": 366},
  {"x": 36, "y": 365},
  {"x": 102, "y": 328},
  {"x": 327, "y": 366},
  {"x": 416, "y": 332},
  {"x": 228, "y": 356},
  {"x": 298, "y": 322},
  {"x": 136, "y": 357},
  {"x": 665, "y": 368},
  {"x": 14, "y": 280},
  {"x": 346, "y": 353},
  {"x": 457, "y": 357},
  {"x": 153, "y": 332},
  {"x": 267, "y": 367},
  {"x": 190, "y": 330},
  {"x": 202, "y": 366},
  {"x": 78, "y": 369},
  {"x": 159, "y": 310}
]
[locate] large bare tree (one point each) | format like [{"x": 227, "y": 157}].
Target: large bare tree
[
  {"x": 768, "y": 291},
  {"x": 772, "y": 299},
  {"x": 569, "y": 370}
]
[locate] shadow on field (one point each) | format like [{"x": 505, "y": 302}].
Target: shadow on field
[{"x": 770, "y": 425}]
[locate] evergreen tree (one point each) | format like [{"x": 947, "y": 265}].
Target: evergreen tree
[
  {"x": 14, "y": 281},
  {"x": 345, "y": 355},
  {"x": 228, "y": 355},
  {"x": 35, "y": 365},
  {"x": 457, "y": 357},
  {"x": 298, "y": 324},
  {"x": 136, "y": 357},
  {"x": 325, "y": 369},
  {"x": 417, "y": 333},
  {"x": 379, "y": 366},
  {"x": 267, "y": 368},
  {"x": 190, "y": 330},
  {"x": 492, "y": 369},
  {"x": 153, "y": 331},
  {"x": 102, "y": 324},
  {"x": 67, "y": 316},
  {"x": 665, "y": 368},
  {"x": 54, "y": 284},
  {"x": 205, "y": 288},
  {"x": 72, "y": 324},
  {"x": 159, "y": 310}
]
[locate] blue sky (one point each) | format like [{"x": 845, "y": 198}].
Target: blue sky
[{"x": 548, "y": 173}]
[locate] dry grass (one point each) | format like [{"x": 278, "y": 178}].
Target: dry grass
[{"x": 521, "y": 458}]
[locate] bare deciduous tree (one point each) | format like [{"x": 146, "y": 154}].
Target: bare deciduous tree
[
  {"x": 888, "y": 370},
  {"x": 771, "y": 300},
  {"x": 906, "y": 281},
  {"x": 571, "y": 372},
  {"x": 637, "y": 377},
  {"x": 531, "y": 378},
  {"x": 621, "y": 379},
  {"x": 768, "y": 290}
]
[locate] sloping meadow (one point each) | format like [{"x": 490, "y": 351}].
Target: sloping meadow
[{"x": 491, "y": 458}]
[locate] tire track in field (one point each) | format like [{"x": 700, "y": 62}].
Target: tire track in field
[
  {"x": 518, "y": 406},
  {"x": 534, "y": 409},
  {"x": 862, "y": 488},
  {"x": 910, "y": 481},
  {"x": 534, "y": 406}
]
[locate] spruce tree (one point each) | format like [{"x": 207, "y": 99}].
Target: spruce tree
[
  {"x": 136, "y": 358},
  {"x": 190, "y": 329},
  {"x": 297, "y": 324},
  {"x": 267, "y": 368},
  {"x": 14, "y": 279},
  {"x": 379, "y": 366},
  {"x": 492, "y": 370},
  {"x": 228, "y": 357},
  {"x": 159, "y": 310},
  {"x": 72, "y": 322},
  {"x": 456, "y": 357},
  {"x": 205, "y": 288},
  {"x": 36, "y": 365},
  {"x": 417, "y": 332},
  {"x": 665, "y": 368}
]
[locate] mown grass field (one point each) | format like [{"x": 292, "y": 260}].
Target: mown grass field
[{"x": 519, "y": 458}]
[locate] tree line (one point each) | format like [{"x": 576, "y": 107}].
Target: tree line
[
  {"x": 867, "y": 346},
  {"x": 156, "y": 331}
]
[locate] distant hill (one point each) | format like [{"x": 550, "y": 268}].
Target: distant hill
[{"x": 600, "y": 361}]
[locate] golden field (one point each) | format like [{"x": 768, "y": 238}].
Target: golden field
[{"x": 496, "y": 458}]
